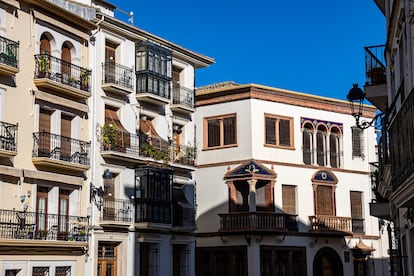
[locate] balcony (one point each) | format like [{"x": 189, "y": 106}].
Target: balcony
[
  {"x": 9, "y": 57},
  {"x": 58, "y": 75},
  {"x": 331, "y": 225},
  {"x": 116, "y": 211},
  {"x": 152, "y": 89},
  {"x": 122, "y": 145},
  {"x": 17, "y": 225},
  {"x": 376, "y": 82},
  {"x": 117, "y": 79},
  {"x": 380, "y": 210},
  {"x": 183, "y": 100},
  {"x": 257, "y": 222},
  {"x": 8, "y": 139},
  {"x": 60, "y": 152},
  {"x": 153, "y": 211}
]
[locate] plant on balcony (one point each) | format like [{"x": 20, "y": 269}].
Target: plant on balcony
[
  {"x": 190, "y": 153},
  {"x": 84, "y": 79},
  {"x": 376, "y": 74},
  {"x": 43, "y": 65},
  {"x": 149, "y": 151},
  {"x": 108, "y": 136}
]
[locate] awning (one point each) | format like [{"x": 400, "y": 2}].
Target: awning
[{"x": 39, "y": 95}]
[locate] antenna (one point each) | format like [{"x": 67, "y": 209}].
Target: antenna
[{"x": 130, "y": 14}]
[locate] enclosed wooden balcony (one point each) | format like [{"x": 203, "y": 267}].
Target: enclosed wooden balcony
[
  {"x": 331, "y": 224},
  {"x": 8, "y": 139},
  {"x": 60, "y": 152},
  {"x": 117, "y": 78},
  {"x": 183, "y": 100},
  {"x": 19, "y": 225},
  {"x": 256, "y": 222},
  {"x": 57, "y": 75},
  {"x": 116, "y": 211},
  {"x": 9, "y": 56}
]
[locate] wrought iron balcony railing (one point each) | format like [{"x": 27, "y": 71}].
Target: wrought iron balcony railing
[
  {"x": 8, "y": 136},
  {"x": 63, "y": 72},
  {"x": 62, "y": 148},
  {"x": 9, "y": 52},
  {"x": 375, "y": 65},
  {"x": 143, "y": 145},
  {"x": 183, "y": 96},
  {"x": 323, "y": 223},
  {"x": 153, "y": 210},
  {"x": 42, "y": 226},
  {"x": 118, "y": 74},
  {"x": 257, "y": 221},
  {"x": 117, "y": 210}
]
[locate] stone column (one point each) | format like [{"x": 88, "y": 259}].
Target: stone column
[{"x": 252, "y": 194}]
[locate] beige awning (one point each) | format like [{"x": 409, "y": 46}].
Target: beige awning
[
  {"x": 60, "y": 101},
  {"x": 67, "y": 179}
]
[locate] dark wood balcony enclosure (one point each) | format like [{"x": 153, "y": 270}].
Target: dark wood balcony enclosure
[
  {"x": 61, "y": 148},
  {"x": 9, "y": 56},
  {"x": 153, "y": 210},
  {"x": 8, "y": 139},
  {"x": 63, "y": 73},
  {"x": 257, "y": 222},
  {"x": 331, "y": 224},
  {"x": 117, "y": 210},
  {"x": 117, "y": 78},
  {"x": 18, "y": 225}
]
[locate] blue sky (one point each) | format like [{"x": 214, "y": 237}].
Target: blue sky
[{"x": 314, "y": 47}]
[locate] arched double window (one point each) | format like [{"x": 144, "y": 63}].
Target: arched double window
[{"x": 322, "y": 143}]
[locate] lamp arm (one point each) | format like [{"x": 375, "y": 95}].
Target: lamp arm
[{"x": 366, "y": 124}]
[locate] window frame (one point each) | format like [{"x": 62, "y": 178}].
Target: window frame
[
  {"x": 357, "y": 136},
  {"x": 277, "y": 131},
  {"x": 220, "y": 118}
]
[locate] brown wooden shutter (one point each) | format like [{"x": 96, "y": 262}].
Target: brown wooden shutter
[
  {"x": 65, "y": 140},
  {"x": 66, "y": 61},
  {"x": 44, "y": 132},
  {"x": 324, "y": 200},
  {"x": 270, "y": 124},
  {"x": 44, "y": 45},
  {"x": 356, "y": 205},
  {"x": 289, "y": 199},
  {"x": 213, "y": 132},
  {"x": 284, "y": 133},
  {"x": 44, "y": 120}
]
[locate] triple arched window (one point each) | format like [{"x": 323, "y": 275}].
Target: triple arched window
[{"x": 321, "y": 143}]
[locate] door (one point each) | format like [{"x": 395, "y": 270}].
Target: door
[
  {"x": 65, "y": 138},
  {"x": 41, "y": 211},
  {"x": 107, "y": 259},
  {"x": 63, "y": 219},
  {"x": 44, "y": 133}
]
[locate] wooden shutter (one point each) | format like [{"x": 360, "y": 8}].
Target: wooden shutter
[
  {"x": 65, "y": 139},
  {"x": 356, "y": 205},
  {"x": 122, "y": 139},
  {"x": 44, "y": 45},
  {"x": 66, "y": 61},
  {"x": 324, "y": 200},
  {"x": 229, "y": 129},
  {"x": 270, "y": 124},
  {"x": 44, "y": 132},
  {"x": 289, "y": 199},
  {"x": 357, "y": 142},
  {"x": 284, "y": 133},
  {"x": 213, "y": 132}
]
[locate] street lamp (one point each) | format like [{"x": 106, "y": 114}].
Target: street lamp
[
  {"x": 97, "y": 193},
  {"x": 356, "y": 97}
]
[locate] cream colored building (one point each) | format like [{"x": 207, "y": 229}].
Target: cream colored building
[
  {"x": 96, "y": 143},
  {"x": 283, "y": 185}
]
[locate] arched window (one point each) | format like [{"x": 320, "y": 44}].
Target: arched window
[
  {"x": 66, "y": 60},
  {"x": 44, "y": 45},
  {"x": 335, "y": 147},
  {"x": 307, "y": 143},
  {"x": 321, "y": 145}
]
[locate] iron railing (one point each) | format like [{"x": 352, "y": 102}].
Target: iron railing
[
  {"x": 62, "y": 148},
  {"x": 323, "y": 223},
  {"x": 117, "y": 74},
  {"x": 375, "y": 64},
  {"x": 42, "y": 226},
  {"x": 183, "y": 96},
  {"x": 153, "y": 210},
  {"x": 63, "y": 72},
  {"x": 257, "y": 221},
  {"x": 358, "y": 226},
  {"x": 9, "y": 52},
  {"x": 8, "y": 136},
  {"x": 117, "y": 210}
]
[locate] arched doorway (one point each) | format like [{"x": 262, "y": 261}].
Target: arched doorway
[{"x": 327, "y": 263}]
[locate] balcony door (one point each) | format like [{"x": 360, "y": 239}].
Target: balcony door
[
  {"x": 65, "y": 138},
  {"x": 63, "y": 219},
  {"x": 110, "y": 51},
  {"x": 66, "y": 62},
  {"x": 44, "y": 132},
  {"x": 41, "y": 209},
  {"x": 109, "y": 199},
  {"x": 107, "y": 259}
]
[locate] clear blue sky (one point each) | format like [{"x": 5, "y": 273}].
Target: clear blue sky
[{"x": 314, "y": 47}]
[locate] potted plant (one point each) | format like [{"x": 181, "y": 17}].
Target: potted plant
[
  {"x": 42, "y": 65},
  {"x": 376, "y": 74},
  {"x": 84, "y": 79},
  {"x": 108, "y": 136},
  {"x": 190, "y": 153}
]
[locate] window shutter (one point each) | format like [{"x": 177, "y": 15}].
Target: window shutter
[
  {"x": 357, "y": 142},
  {"x": 270, "y": 131},
  {"x": 289, "y": 199},
  {"x": 65, "y": 132},
  {"x": 284, "y": 133},
  {"x": 229, "y": 128},
  {"x": 213, "y": 133},
  {"x": 324, "y": 200},
  {"x": 356, "y": 205}
]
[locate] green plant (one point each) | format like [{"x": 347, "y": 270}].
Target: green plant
[
  {"x": 108, "y": 136},
  {"x": 84, "y": 76},
  {"x": 43, "y": 63},
  {"x": 190, "y": 152},
  {"x": 149, "y": 151}
]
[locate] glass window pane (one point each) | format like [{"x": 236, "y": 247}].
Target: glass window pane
[
  {"x": 270, "y": 131},
  {"x": 213, "y": 133},
  {"x": 284, "y": 133},
  {"x": 229, "y": 128}
]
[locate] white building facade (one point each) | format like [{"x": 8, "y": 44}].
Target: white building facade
[{"x": 283, "y": 185}]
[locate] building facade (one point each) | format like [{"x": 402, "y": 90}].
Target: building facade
[
  {"x": 96, "y": 144},
  {"x": 283, "y": 185},
  {"x": 392, "y": 93}
]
